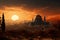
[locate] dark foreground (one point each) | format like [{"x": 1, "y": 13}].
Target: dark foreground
[{"x": 28, "y": 35}]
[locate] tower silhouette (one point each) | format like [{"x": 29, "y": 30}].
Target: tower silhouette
[
  {"x": 3, "y": 23},
  {"x": 44, "y": 20}
]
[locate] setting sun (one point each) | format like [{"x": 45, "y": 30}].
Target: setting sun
[{"x": 15, "y": 17}]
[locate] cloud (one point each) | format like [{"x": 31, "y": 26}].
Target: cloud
[
  {"x": 1, "y": 4},
  {"x": 46, "y": 6},
  {"x": 32, "y": 3}
]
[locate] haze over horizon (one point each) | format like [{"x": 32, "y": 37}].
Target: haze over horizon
[{"x": 28, "y": 9}]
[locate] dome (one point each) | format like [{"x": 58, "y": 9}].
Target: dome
[{"x": 38, "y": 19}]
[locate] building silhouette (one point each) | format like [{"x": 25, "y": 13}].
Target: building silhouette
[
  {"x": 45, "y": 20},
  {"x": 38, "y": 21},
  {"x": 3, "y": 23}
]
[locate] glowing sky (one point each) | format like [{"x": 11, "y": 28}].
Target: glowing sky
[{"x": 27, "y": 9}]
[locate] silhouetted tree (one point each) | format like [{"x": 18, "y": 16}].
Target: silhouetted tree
[{"x": 3, "y": 24}]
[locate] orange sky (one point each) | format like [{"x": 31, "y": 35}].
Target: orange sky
[{"x": 23, "y": 14}]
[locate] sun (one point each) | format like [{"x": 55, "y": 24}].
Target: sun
[{"x": 15, "y": 17}]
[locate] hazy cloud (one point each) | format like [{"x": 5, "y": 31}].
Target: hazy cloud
[{"x": 45, "y": 5}]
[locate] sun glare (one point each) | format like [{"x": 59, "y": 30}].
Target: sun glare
[{"x": 15, "y": 17}]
